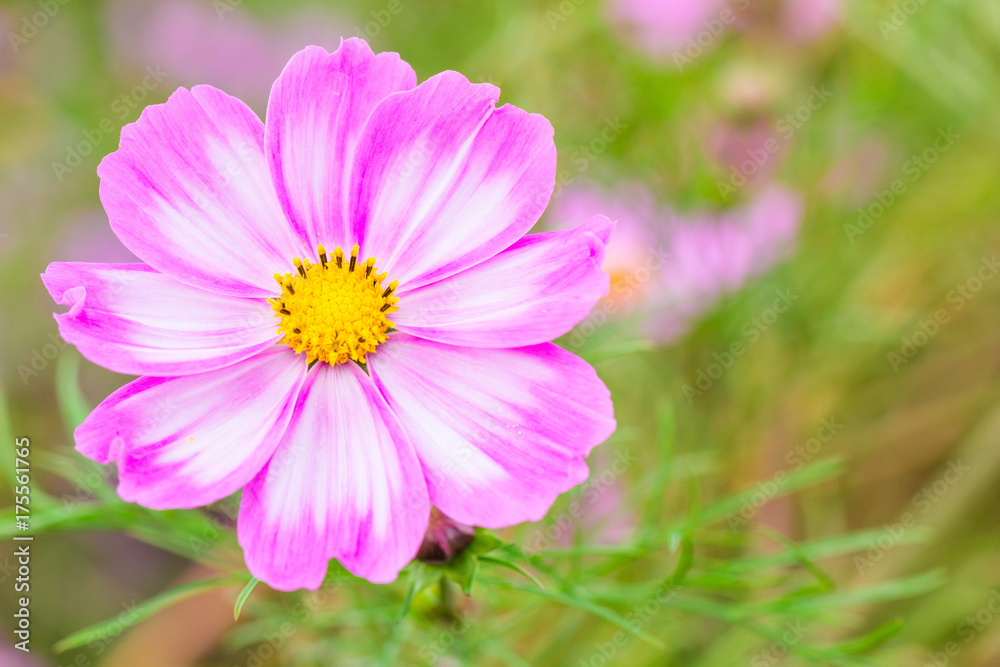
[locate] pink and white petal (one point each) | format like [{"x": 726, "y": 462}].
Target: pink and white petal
[
  {"x": 189, "y": 441},
  {"x": 189, "y": 193},
  {"x": 317, "y": 109},
  {"x": 530, "y": 293},
  {"x": 344, "y": 483},
  {"x": 133, "y": 319},
  {"x": 500, "y": 432},
  {"x": 443, "y": 180}
]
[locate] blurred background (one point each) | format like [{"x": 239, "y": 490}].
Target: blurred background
[{"x": 801, "y": 337}]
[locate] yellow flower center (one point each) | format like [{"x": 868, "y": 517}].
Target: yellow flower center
[{"x": 334, "y": 310}]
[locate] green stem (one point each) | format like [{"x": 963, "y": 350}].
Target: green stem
[{"x": 445, "y": 594}]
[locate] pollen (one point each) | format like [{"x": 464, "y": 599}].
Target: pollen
[{"x": 334, "y": 309}]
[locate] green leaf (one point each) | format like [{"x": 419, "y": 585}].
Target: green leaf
[
  {"x": 484, "y": 543},
  {"x": 826, "y": 583},
  {"x": 503, "y": 562},
  {"x": 595, "y": 609},
  {"x": 143, "y": 611},
  {"x": 683, "y": 563},
  {"x": 666, "y": 436},
  {"x": 463, "y": 570},
  {"x": 823, "y": 548},
  {"x": 884, "y": 592},
  {"x": 806, "y": 477},
  {"x": 421, "y": 576},
  {"x": 244, "y": 595},
  {"x": 72, "y": 403},
  {"x": 337, "y": 573},
  {"x": 79, "y": 516},
  {"x": 873, "y": 639},
  {"x": 7, "y": 446}
]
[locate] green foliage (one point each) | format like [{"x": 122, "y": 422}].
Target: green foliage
[
  {"x": 755, "y": 593},
  {"x": 142, "y": 611}
]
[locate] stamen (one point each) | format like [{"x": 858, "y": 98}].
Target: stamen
[
  {"x": 331, "y": 312},
  {"x": 354, "y": 257}
]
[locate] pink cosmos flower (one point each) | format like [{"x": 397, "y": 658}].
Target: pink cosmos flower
[
  {"x": 715, "y": 254},
  {"x": 685, "y": 29},
  {"x": 663, "y": 28},
  {"x": 5, "y": 29},
  {"x": 14, "y": 657},
  {"x": 669, "y": 268},
  {"x": 809, "y": 20},
  {"x": 215, "y": 42},
  {"x": 749, "y": 153},
  {"x": 270, "y": 362}
]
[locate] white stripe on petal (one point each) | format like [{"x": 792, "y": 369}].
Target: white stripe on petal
[
  {"x": 189, "y": 441},
  {"x": 532, "y": 292},
  {"x": 344, "y": 483},
  {"x": 316, "y": 112},
  {"x": 188, "y": 191},
  {"x": 500, "y": 432},
  {"x": 135, "y": 320},
  {"x": 443, "y": 180}
]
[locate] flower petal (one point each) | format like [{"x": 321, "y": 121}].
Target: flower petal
[
  {"x": 532, "y": 292},
  {"x": 189, "y": 441},
  {"x": 500, "y": 432},
  {"x": 344, "y": 483},
  {"x": 714, "y": 256},
  {"x": 443, "y": 180},
  {"x": 316, "y": 112},
  {"x": 189, "y": 193},
  {"x": 133, "y": 319}
]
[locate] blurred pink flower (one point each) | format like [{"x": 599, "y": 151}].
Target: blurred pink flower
[
  {"x": 683, "y": 30},
  {"x": 809, "y": 20},
  {"x": 715, "y": 254},
  {"x": 215, "y": 43},
  {"x": 610, "y": 520},
  {"x": 6, "y": 29},
  {"x": 857, "y": 171},
  {"x": 669, "y": 268},
  {"x": 607, "y": 517},
  {"x": 601, "y": 511},
  {"x": 749, "y": 153},
  {"x": 12, "y": 657},
  {"x": 664, "y": 28},
  {"x": 631, "y": 204}
]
